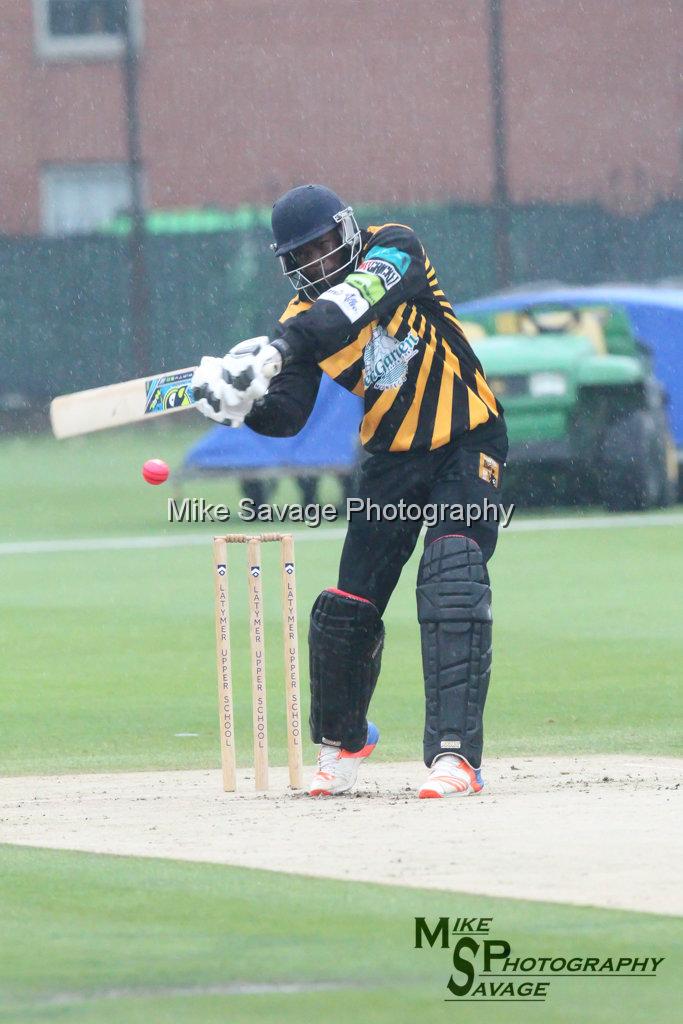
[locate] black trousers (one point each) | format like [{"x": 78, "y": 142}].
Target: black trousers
[{"x": 376, "y": 548}]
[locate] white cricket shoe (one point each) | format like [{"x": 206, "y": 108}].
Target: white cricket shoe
[
  {"x": 338, "y": 768},
  {"x": 451, "y": 775}
]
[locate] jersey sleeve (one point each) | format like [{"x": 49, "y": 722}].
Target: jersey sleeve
[
  {"x": 391, "y": 271},
  {"x": 289, "y": 401}
]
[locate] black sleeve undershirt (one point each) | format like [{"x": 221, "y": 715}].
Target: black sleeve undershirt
[{"x": 289, "y": 402}]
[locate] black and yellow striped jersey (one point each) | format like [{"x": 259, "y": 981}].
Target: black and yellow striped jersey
[{"x": 387, "y": 333}]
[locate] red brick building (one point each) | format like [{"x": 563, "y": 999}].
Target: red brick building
[{"x": 239, "y": 99}]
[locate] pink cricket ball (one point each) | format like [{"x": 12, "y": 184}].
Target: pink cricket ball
[{"x": 155, "y": 471}]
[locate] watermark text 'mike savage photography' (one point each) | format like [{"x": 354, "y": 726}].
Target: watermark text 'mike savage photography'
[
  {"x": 485, "y": 968},
  {"x": 198, "y": 510}
]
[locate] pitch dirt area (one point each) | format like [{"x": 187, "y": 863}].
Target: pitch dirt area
[{"x": 598, "y": 830}]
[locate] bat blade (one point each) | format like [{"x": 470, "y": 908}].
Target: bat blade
[{"x": 117, "y": 404}]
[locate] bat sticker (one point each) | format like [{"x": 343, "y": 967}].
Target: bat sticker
[
  {"x": 168, "y": 391},
  {"x": 255, "y": 571},
  {"x": 289, "y": 568},
  {"x": 221, "y": 569}
]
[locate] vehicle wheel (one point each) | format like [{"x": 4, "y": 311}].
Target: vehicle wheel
[
  {"x": 581, "y": 486},
  {"x": 633, "y": 473}
]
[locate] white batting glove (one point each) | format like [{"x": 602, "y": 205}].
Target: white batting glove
[
  {"x": 215, "y": 398},
  {"x": 226, "y": 389},
  {"x": 250, "y": 366}
]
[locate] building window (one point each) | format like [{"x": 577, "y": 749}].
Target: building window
[
  {"x": 84, "y": 28},
  {"x": 86, "y": 17},
  {"x": 79, "y": 199}
]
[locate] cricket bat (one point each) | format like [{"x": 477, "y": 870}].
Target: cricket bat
[{"x": 118, "y": 404}]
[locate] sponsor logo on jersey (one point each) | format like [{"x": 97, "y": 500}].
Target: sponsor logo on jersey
[
  {"x": 381, "y": 268},
  {"x": 390, "y": 254},
  {"x": 349, "y": 300},
  {"x": 386, "y": 359}
]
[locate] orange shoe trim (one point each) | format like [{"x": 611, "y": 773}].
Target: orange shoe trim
[
  {"x": 365, "y": 752},
  {"x": 458, "y": 784}
]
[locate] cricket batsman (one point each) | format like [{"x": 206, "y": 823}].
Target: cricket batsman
[{"x": 368, "y": 311}]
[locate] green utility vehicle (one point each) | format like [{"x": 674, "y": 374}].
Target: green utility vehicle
[{"x": 586, "y": 416}]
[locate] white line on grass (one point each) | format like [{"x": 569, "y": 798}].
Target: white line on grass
[
  {"x": 39, "y": 547},
  {"x": 236, "y": 988},
  {"x": 626, "y": 521}
]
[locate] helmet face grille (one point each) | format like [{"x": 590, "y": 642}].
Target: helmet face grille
[{"x": 310, "y": 278}]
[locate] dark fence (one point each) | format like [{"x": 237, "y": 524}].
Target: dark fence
[{"x": 64, "y": 303}]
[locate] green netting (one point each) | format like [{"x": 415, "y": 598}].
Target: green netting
[{"x": 64, "y": 303}]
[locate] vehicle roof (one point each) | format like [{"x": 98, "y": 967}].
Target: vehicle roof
[{"x": 625, "y": 295}]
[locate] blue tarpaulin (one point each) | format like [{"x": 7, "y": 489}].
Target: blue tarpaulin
[
  {"x": 328, "y": 441},
  {"x": 656, "y": 316}
]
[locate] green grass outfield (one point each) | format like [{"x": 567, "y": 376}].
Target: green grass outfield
[{"x": 100, "y": 939}]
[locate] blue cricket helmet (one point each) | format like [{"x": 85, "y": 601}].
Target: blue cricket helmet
[{"x": 303, "y": 214}]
